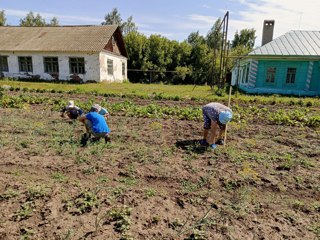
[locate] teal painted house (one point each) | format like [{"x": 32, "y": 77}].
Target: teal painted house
[{"x": 289, "y": 64}]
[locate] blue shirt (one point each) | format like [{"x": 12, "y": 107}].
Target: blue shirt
[
  {"x": 103, "y": 111},
  {"x": 99, "y": 124}
]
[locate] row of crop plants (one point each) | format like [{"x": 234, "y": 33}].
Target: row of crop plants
[
  {"x": 237, "y": 98},
  {"x": 302, "y": 116}
]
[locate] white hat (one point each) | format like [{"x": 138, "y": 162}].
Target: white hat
[
  {"x": 71, "y": 104},
  {"x": 96, "y": 106}
]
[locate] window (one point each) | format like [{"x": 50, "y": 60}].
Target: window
[
  {"x": 25, "y": 64},
  {"x": 271, "y": 75},
  {"x": 4, "y": 64},
  {"x": 123, "y": 69},
  {"x": 240, "y": 75},
  {"x": 247, "y": 74},
  {"x": 291, "y": 75},
  {"x": 110, "y": 66},
  {"x": 51, "y": 65},
  {"x": 243, "y": 78},
  {"x": 76, "y": 65}
]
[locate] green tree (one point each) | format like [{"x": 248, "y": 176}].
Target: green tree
[
  {"x": 157, "y": 57},
  {"x": 182, "y": 75},
  {"x": 112, "y": 18},
  {"x": 2, "y": 18},
  {"x": 214, "y": 36},
  {"x": 180, "y": 62},
  {"x": 129, "y": 26},
  {"x": 246, "y": 38},
  {"x": 214, "y": 40},
  {"x": 161, "y": 56},
  {"x": 201, "y": 62},
  {"x": 195, "y": 39},
  {"x": 31, "y": 20},
  {"x": 201, "y": 59},
  {"x": 235, "y": 53},
  {"x": 54, "y": 22},
  {"x": 138, "y": 49}
]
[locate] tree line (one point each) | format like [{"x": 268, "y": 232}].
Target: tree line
[
  {"x": 31, "y": 20},
  {"x": 156, "y": 58}
]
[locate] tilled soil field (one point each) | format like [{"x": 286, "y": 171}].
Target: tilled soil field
[{"x": 154, "y": 181}]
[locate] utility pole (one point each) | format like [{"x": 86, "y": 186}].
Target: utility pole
[{"x": 224, "y": 25}]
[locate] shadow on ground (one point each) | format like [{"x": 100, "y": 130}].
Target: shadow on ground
[{"x": 191, "y": 146}]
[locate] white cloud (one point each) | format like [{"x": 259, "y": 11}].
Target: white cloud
[
  {"x": 206, "y": 6},
  {"x": 164, "y": 34},
  {"x": 176, "y": 27},
  {"x": 288, "y": 15},
  {"x": 15, "y": 12},
  {"x": 202, "y": 19}
]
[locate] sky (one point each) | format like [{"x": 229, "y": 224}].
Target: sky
[{"x": 176, "y": 19}]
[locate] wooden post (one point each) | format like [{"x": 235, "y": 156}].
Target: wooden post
[{"x": 225, "y": 132}]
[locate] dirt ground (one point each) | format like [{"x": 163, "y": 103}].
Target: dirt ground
[{"x": 154, "y": 181}]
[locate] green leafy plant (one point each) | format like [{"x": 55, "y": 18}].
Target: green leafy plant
[
  {"x": 59, "y": 177},
  {"x": 82, "y": 203},
  {"x": 121, "y": 218},
  {"x": 37, "y": 191},
  {"x": 197, "y": 235},
  {"x": 26, "y": 233},
  {"x": 24, "y": 212},
  {"x": 9, "y": 193},
  {"x": 150, "y": 192}
]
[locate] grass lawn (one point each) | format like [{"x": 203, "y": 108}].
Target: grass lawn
[
  {"x": 137, "y": 89},
  {"x": 161, "y": 91}
]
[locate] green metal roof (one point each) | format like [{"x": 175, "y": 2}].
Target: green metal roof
[{"x": 293, "y": 43}]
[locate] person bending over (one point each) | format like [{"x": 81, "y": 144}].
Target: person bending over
[
  {"x": 71, "y": 110},
  {"x": 215, "y": 116},
  {"x": 102, "y": 111},
  {"x": 96, "y": 124}
]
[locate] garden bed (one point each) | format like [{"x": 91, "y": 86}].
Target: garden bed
[{"x": 154, "y": 181}]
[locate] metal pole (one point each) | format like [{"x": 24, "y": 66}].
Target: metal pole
[
  {"x": 225, "y": 48},
  {"x": 221, "y": 54},
  {"x": 237, "y": 82},
  {"x": 225, "y": 131}
]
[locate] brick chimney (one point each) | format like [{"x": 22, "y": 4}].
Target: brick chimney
[{"x": 267, "y": 32}]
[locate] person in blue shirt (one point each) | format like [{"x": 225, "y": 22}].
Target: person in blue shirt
[{"x": 96, "y": 124}]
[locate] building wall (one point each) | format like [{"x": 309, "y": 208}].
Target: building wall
[
  {"x": 303, "y": 85},
  {"x": 281, "y": 74},
  {"x": 92, "y": 67},
  {"x": 241, "y": 73},
  {"x": 315, "y": 80},
  {"x": 116, "y": 75}
]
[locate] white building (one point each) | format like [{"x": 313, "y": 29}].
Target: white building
[{"x": 78, "y": 53}]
